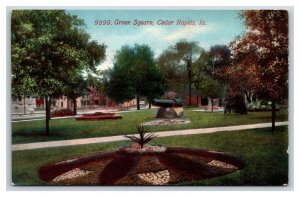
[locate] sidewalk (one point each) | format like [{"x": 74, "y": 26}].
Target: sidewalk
[
  {"x": 49, "y": 144},
  {"x": 41, "y": 116}
]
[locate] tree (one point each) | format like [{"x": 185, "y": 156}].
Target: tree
[
  {"x": 155, "y": 86},
  {"x": 75, "y": 84},
  {"x": 134, "y": 75},
  {"x": 119, "y": 85},
  {"x": 211, "y": 88},
  {"x": 202, "y": 71},
  {"x": 265, "y": 46},
  {"x": 49, "y": 47},
  {"x": 188, "y": 52},
  {"x": 176, "y": 63},
  {"x": 219, "y": 57},
  {"x": 174, "y": 74},
  {"x": 74, "y": 88}
]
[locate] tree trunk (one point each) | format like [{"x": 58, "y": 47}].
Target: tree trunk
[
  {"x": 212, "y": 104},
  {"x": 190, "y": 93},
  {"x": 68, "y": 103},
  {"x": 24, "y": 105},
  {"x": 248, "y": 96},
  {"x": 74, "y": 106},
  {"x": 150, "y": 102},
  {"x": 273, "y": 115},
  {"x": 197, "y": 99},
  {"x": 189, "y": 68},
  {"x": 48, "y": 110},
  {"x": 138, "y": 102}
]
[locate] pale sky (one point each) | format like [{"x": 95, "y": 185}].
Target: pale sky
[{"x": 221, "y": 27}]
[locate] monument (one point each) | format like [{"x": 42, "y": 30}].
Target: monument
[{"x": 169, "y": 108}]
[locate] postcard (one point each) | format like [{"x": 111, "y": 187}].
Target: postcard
[{"x": 149, "y": 97}]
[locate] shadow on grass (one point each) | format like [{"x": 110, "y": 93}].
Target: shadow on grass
[{"x": 36, "y": 133}]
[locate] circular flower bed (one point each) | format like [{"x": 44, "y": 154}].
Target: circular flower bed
[
  {"x": 152, "y": 165},
  {"x": 99, "y": 116},
  {"x": 62, "y": 113},
  {"x": 167, "y": 122}
]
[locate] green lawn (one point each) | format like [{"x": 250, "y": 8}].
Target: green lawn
[
  {"x": 33, "y": 131},
  {"x": 264, "y": 152}
]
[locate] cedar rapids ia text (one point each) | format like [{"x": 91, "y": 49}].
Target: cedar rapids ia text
[{"x": 158, "y": 22}]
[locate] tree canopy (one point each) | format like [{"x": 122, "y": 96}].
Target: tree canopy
[
  {"x": 49, "y": 49},
  {"x": 178, "y": 61},
  {"x": 262, "y": 54},
  {"x": 134, "y": 74}
]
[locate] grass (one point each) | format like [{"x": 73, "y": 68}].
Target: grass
[
  {"x": 61, "y": 129},
  {"x": 265, "y": 154}
]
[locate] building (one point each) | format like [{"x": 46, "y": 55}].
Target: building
[
  {"x": 23, "y": 105},
  {"x": 93, "y": 99}
]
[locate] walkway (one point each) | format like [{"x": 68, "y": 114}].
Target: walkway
[{"x": 49, "y": 144}]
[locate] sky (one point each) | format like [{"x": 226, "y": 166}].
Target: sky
[{"x": 207, "y": 27}]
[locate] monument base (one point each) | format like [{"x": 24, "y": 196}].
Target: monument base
[{"x": 170, "y": 112}]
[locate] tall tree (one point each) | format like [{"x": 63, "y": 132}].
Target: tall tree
[
  {"x": 219, "y": 57},
  {"x": 134, "y": 74},
  {"x": 48, "y": 46},
  {"x": 202, "y": 71},
  {"x": 74, "y": 88},
  {"x": 155, "y": 84},
  {"x": 174, "y": 74},
  {"x": 266, "y": 42},
  {"x": 189, "y": 53},
  {"x": 75, "y": 84},
  {"x": 119, "y": 84}
]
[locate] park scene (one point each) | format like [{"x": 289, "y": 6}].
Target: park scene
[{"x": 149, "y": 97}]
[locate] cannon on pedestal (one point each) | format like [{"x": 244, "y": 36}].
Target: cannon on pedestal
[
  {"x": 169, "y": 108},
  {"x": 167, "y": 103}
]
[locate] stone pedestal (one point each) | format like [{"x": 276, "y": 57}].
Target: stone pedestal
[{"x": 170, "y": 112}]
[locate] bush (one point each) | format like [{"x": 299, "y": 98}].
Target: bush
[
  {"x": 260, "y": 105},
  {"x": 143, "y": 138},
  {"x": 236, "y": 104}
]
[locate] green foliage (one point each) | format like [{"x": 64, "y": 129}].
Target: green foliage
[
  {"x": 173, "y": 72},
  {"x": 49, "y": 51},
  {"x": 188, "y": 52},
  {"x": 219, "y": 57},
  {"x": 134, "y": 74},
  {"x": 260, "y": 105},
  {"x": 211, "y": 88},
  {"x": 143, "y": 137}
]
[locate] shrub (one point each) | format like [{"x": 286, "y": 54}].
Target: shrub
[
  {"x": 143, "y": 137},
  {"x": 235, "y": 103},
  {"x": 261, "y": 105}
]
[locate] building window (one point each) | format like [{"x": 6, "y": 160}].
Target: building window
[{"x": 62, "y": 104}]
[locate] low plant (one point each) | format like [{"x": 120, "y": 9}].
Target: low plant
[{"x": 143, "y": 138}]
